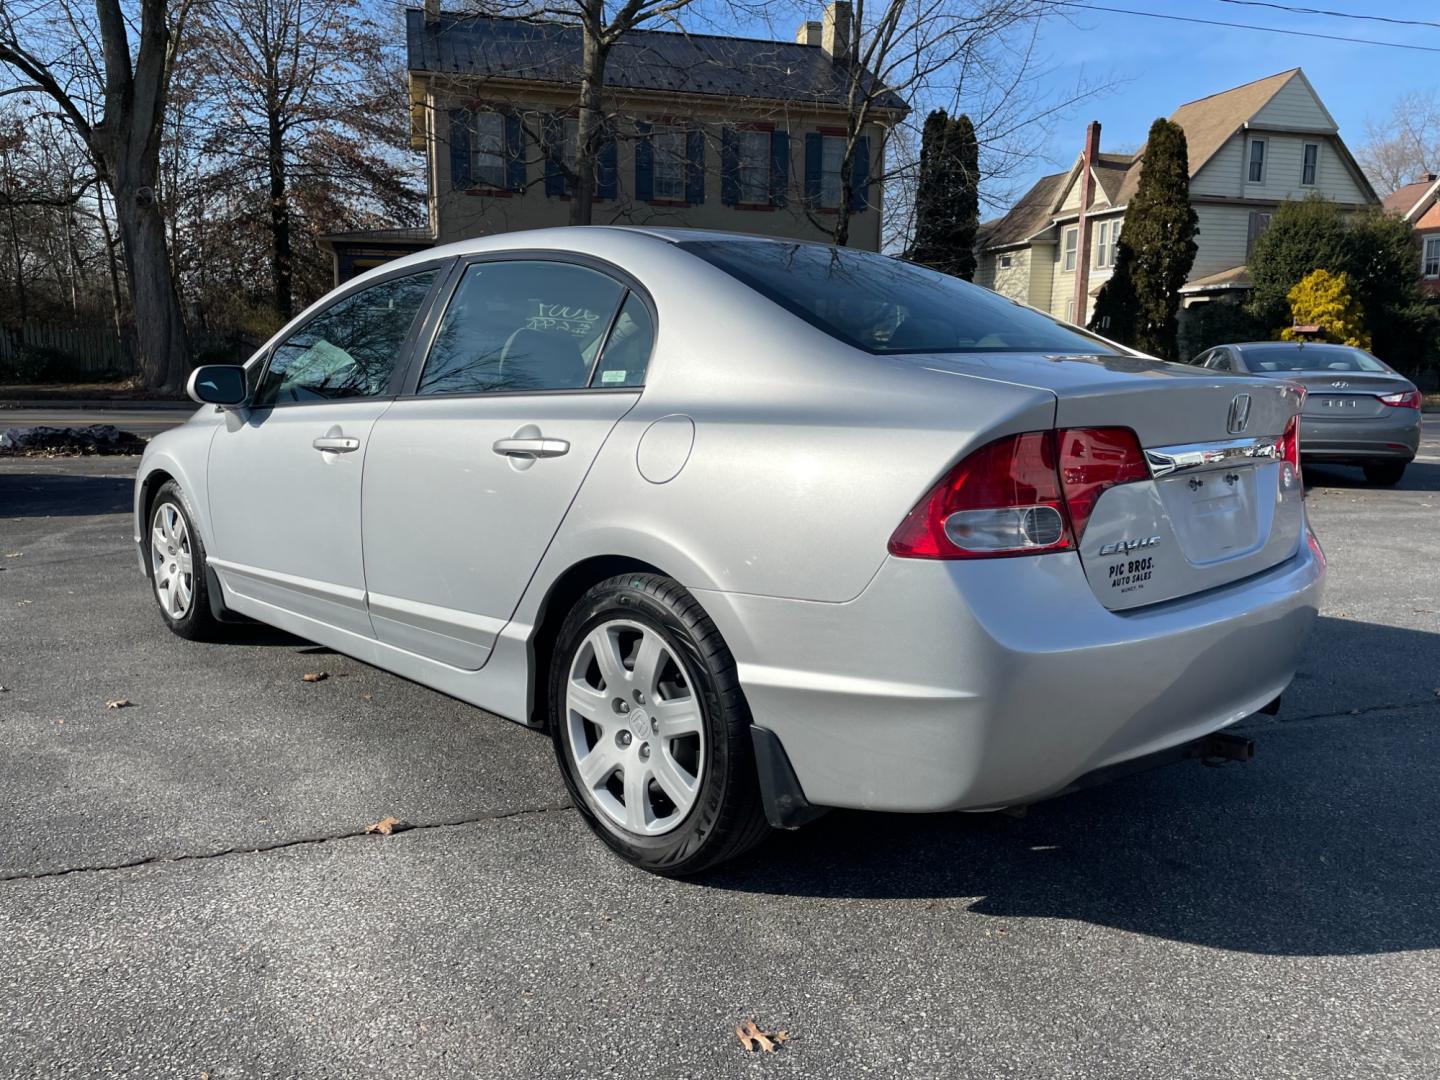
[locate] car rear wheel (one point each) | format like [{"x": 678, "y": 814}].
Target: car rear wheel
[
  {"x": 1385, "y": 473},
  {"x": 176, "y": 561},
  {"x": 651, "y": 729}
]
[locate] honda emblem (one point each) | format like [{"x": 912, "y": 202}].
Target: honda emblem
[{"x": 1239, "y": 414}]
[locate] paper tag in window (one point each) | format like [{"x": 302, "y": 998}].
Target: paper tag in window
[{"x": 612, "y": 377}]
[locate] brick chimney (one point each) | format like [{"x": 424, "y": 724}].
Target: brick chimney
[
  {"x": 1082, "y": 246},
  {"x": 809, "y": 33},
  {"x": 835, "y": 32}
]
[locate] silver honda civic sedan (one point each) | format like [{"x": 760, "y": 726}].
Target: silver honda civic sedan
[{"x": 750, "y": 527}]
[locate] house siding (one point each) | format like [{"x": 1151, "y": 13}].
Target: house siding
[
  {"x": 1225, "y": 174},
  {"x": 1295, "y": 105},
  {"x": 1224, "y": 233},
  {"x": 1013, "y": 281}
]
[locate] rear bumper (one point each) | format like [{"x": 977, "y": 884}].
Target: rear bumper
[
  {"x": 968, "y": 685},
  {"x": 1394, "y": 436}
]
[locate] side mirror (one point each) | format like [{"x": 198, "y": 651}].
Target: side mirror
[{"x": 218, "y": 384}]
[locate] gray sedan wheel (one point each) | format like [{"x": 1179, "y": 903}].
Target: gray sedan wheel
[
  {"x": 651, "y": 729},
  {"x": 176, "y": 561}
]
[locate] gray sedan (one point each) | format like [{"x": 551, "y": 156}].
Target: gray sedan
[
  {"x": 1358, "y": 410},
  {"x": 751, "y": 528}
]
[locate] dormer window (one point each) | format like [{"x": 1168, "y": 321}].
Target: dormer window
[
  {"x": 1256, "y": 162},
  {"x": 1309, "y": 164}
]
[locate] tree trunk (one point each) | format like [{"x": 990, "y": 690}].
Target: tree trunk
[
  {"x": 116, "y": 298},
  {"x": 281, "y": 266},
  {"x": 592, "y": 85},
  {"x": 159, "y": 329}
]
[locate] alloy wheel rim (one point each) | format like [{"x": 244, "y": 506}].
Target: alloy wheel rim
[
  {"x": 171, "y": 561},
  {"x": 634, "y": 728}
]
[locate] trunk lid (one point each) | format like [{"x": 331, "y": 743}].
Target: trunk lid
[
  {"x": 1349, "y": 395},
  {"x": 1220, "y": 505}
]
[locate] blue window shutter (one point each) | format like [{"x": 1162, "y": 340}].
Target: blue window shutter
[
  {"x": 779, "y": 167},
  {"x": 695, "y": 167},
  {"x": 814, "y": 150},
  {"x": 460, "y": 149},
  {"x": 515, "y": 177},
  {"x": 554, "y": 130},
  {"x": 729, "y": 168},
  {"x": 860, "y": 175},
  {"x": 644, "y": 163},
  {"x": 607, "y": 168}
]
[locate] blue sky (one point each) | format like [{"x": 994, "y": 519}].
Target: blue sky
[{"x": 1158, "y": 64}]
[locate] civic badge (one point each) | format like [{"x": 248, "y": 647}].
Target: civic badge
[{"x": 1239, "y": 414}]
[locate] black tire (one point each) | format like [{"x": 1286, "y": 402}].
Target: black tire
[
  {"x": 198, "y": 622},
  {"x": 726, "y": 818},
  {"x": 1385, "y": 473}
]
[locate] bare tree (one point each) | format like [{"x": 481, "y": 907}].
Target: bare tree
[
  {"x": 127, "y": 86},
  {"x": 1403, "y": 146}
]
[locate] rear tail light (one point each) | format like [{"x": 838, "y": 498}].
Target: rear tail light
[
  {"x": 1407, "y": 400},
  {"x": 1290, "y": 445},
  {"x": 1094, "y": 459},
  {"x": 1025, "y": 494}
]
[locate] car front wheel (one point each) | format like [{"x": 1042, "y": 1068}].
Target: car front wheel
[
  {"x": 176, "y": 561},
  {"x": 651, "y": 728},
  {"x": 1385, "y": 473}
]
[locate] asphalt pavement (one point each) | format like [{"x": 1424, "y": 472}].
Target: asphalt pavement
[
  {"x": 146, "y": 422},
  {"x": 186, "y": 888}
]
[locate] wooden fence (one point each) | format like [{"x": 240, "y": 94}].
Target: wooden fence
[{"x": 75, "y": 351}]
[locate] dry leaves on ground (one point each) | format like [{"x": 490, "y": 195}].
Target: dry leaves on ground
[
  {"x": 118, "y": 703},
  {"x": 752, "y": 1038},
  {"x": 315, "y": 676},
  {"x": 366, "y": 696},
  {"x": 14, "y": 554},
  {"x": 386, "y": 825}
]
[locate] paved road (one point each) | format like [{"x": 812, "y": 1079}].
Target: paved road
[
  {"x": 143, "y": 422},
  {"x": 183, "y": 890}
]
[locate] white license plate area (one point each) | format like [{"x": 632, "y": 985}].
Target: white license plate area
[{"x": 1214, "y": 514}]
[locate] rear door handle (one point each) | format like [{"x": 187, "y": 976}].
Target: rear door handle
[
  {"x": 337, "y": 444},
  {"x": 535, "y": 448}
]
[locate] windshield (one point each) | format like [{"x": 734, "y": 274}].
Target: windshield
[
  {"x": 883, "y": 305},
  {"x": 1310, "y": 358}
]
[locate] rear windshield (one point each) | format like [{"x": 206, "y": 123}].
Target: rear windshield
[
  {"x": 883, "y": 305},
  {"x": 1310, "y": 358}
]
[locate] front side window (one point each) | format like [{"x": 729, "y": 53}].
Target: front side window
[
  {"x": 671, "y": 159},
  {"x": 885, "y": 306},
  {"x": 832, "y": 158},
  {"x": 752, "y": 164},
  {"x": 1309, "y": 163},
  {"x": 350, "y": 349},
  {"x": 521, "y": 326},
  {"x": 1432, "y": 257},
  {"x": 1257, "y": 161},
  {"x": 487, "y": 165},
  {"x": 1072, "y": 238}
]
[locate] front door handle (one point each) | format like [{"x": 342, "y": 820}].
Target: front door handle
[
  {"x": 337, "y": 444},
  {"x": 533, "y": 448}
]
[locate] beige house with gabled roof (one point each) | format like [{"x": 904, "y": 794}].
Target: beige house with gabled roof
[{"x": 1251, "y": 148}]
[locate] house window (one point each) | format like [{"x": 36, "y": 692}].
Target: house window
[
  {"x": 1106, "y": 234},
  {"x": 1310, "y": 160},
  {"x": 487, "y": 154},
  {"x": 1070, "y": 311},
  {"x": 1431, "y": 266},
  {"x": 1004, "y": 262},
  {"x": 832, "y": 154},
  {"x": 670, "y": 163},
  {"x": 1259, "y": 222},
  {"x": 1256, "y": 175},
  {"x": 752, "y": 167},
  {"x": 1072, "y": 238},
  {"x": 570, "y": 140}
]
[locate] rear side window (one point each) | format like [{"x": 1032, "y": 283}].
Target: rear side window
[
  {"x": 521, "y": 326},
  {"x": 627, "y": 352},
  {"x": 883, "y": 305},
  {"x": 350, "y": 349}
]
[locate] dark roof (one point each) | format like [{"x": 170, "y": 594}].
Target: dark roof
[
  {"x": 1027, "y": 217},
  {"x": 655, "y": 60}
]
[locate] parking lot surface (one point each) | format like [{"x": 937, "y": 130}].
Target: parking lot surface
[{"x": 186, "y": 888}]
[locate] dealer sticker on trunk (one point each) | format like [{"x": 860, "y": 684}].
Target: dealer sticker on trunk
[{"x": 1130, "y": 574}]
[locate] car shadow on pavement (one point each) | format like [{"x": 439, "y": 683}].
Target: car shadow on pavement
[
  {"x": 1419, "y": 476},
  {"x": 1325, "y": 845},
  {"x": 61, "y": 495}
]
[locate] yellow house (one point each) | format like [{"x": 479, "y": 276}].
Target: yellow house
[
  {"x": 1250, "y": 149},
  {"x": 702, "y": 131}
]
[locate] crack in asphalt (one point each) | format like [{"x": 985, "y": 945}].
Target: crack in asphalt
[
  {"x": 1271, "y": 721},
  {"x": 281, "y": 845}
]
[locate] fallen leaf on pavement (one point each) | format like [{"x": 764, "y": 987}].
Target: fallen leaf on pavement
[
  {"x": 6, "y": 690},
  {"x": 386, "y": 825},
  {"x": 15, "y": 554},
  {"x": 752, "y": 1037},
  {"x": 367, "y": 695},
  {"x": 119, "y": 703},
  {"x": 314, "y": 676}
]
